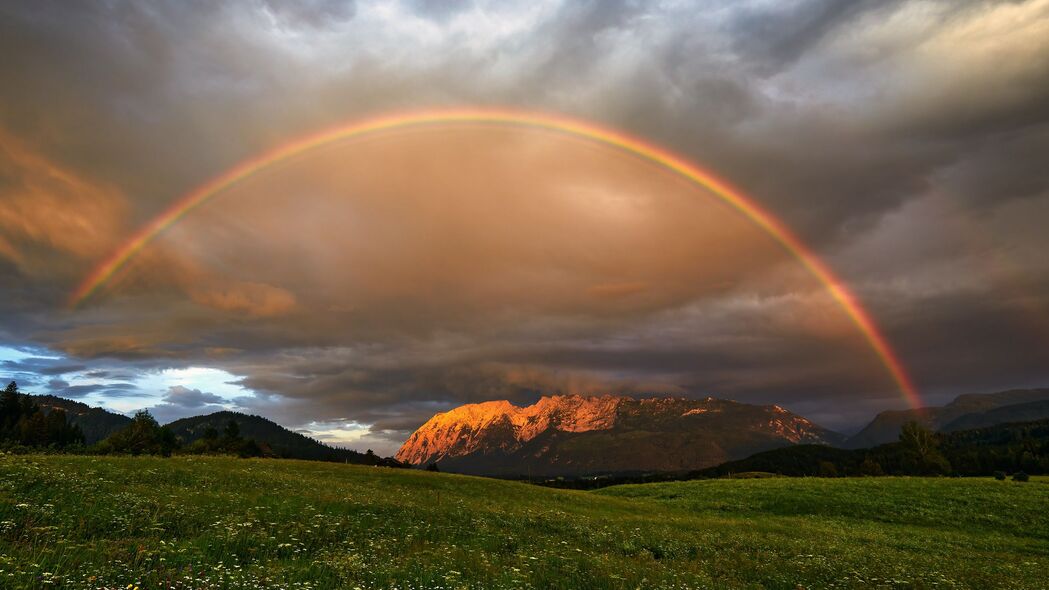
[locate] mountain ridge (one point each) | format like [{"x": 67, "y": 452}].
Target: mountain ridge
[
  {"x": 572, "y": 434},
  {"x": 885, "y": 427}
]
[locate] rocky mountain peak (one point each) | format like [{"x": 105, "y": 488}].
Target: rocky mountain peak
[{"x": 494, "y": 433}]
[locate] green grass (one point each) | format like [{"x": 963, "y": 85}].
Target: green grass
[{"x": 105, "y": 522}]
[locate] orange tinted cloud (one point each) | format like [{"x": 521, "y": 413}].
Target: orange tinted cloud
[
  {"x": 616, "y": 290},
  {"x": 255, "y": 299},
  {"x": 466, "y": 222},
  {"x": 47, "y": 208}
]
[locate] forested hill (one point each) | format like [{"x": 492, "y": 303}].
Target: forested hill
[
  {"x": 95, "y": 423},
  {"x": 281, "y": 441}
]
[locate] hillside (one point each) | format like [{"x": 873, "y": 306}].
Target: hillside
[
  {"x": 214, "y": 522},
  {"x": 95, "y": 423},
  {"x": 886, "y": 426},
  {"x": 575, "y": 435},
  {"x": 282, "y": 442}
]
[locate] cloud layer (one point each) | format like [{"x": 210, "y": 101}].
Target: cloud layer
[{"x": 376, "y": 282}]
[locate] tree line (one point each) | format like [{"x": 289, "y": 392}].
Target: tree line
[
  {"x": 145, "y": 436},
  {"x": 24, "y": 423}
]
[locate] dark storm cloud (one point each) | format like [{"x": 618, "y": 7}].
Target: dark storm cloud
[
  {"x": 904, "y": 140},
  {"x": 1002, "y": 167}
]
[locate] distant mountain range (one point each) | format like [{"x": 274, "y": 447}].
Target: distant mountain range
[
  {"x": 1007, "y": 447},
  {"x": 573, "y": 435},
  {"x": 973, "y": 410}
]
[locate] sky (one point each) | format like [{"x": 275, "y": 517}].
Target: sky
[{"x": 358, "y": 289}]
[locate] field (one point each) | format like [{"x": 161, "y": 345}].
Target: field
[{"x": 105, "y": 522}]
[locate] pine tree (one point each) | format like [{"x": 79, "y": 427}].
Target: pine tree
[
  {"x": 10, "y": 408},
  {"x": 232, "y": 430}
]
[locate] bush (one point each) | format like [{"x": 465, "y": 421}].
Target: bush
[
  {"x": 1020, "y": 476},
  {"x": 827, "y": 469},
  {"x": 871, "y": 468},
  {"x": 999, "y": 475}
]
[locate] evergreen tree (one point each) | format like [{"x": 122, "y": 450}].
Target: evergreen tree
[
  {"x": 10, "y": 407},
  {"x": 144, "y": 436},
  {"x": 232, "y": 430},
  {"x": 23, "y": 422},
  {"x": 230, "y": 443}
]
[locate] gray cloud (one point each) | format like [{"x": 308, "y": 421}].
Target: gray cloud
[
  {"x": 41, "y": 366},
  {"x": 772, "y": 36},
  {"x": 64, "y": 389},
  {"x": 180, "y": 402}
]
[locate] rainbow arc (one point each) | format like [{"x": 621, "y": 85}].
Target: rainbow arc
[{"x": 633, "y": 145}]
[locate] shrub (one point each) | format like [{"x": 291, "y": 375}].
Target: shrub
[
  {"x": 827, "y": 469},
  {"x": 870, "y": 467},
  {"x": 999, "y": 475},
  {"x": 1020, "y": 476}
]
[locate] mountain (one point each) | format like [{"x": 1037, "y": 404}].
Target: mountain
[
  {"x": 95, "y": 423},
  {"x": 282, "y": 442},
  {"x": 886, "y": 426},
  {"x": 575, "y": 435},
  {"x": 1003, "y": 415},
  {"x": 1007, "y": 447}
]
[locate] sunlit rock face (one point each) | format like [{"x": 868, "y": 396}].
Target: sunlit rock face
[{"x": 578, "y": 435}]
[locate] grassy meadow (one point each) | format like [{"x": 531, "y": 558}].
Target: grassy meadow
[{"x": 205, "y": 522}]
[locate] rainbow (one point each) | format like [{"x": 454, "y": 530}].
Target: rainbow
[{"x": 556, "y": 123}]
